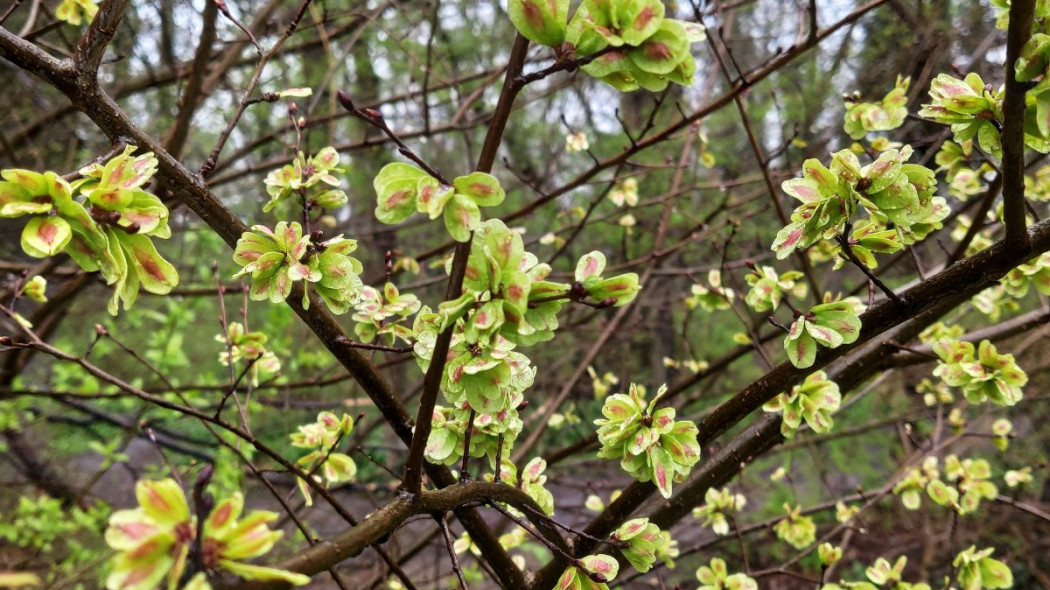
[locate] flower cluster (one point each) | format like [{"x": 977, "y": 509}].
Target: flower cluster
[
  {"x": 710, "y": 297},
  {"x": 830, "y": 325},
  {"x": 1035, "y": 273},
  {"x": 616, "y": 291},
  {"x": 986, "y": 376},
  {"x": 973, "y": 109},
  {"x": 1001, "y": 430},
  {"x": 977, "y": 570},
  {"x": 276, "y": 259},
  {"x": 402, "y": 189},
  {"x": 488, "y": 379},
  {"x": 716, "y": 576},
  {"x": 768, "y": 288},
  {"x": 531, "y": 480},
  {"x": 813, "y": 400},
  {"x": 311, "y": 178},
  {"x": 797, "y": 530},
  {"x": 970, "y": 479},
  {"x": 889, "y": 113},
  {"x": 75, "y": 12},
  {"x": 718, "y": 504},
  {"x": 36, "y": 289},
  {"x": 881, "y": 572},
  {"x": 154, "y": 540},
  {"x": 892, "y": 191},
  {"x": 249, "y": 346},
  {"x": 602, "y": 383},
  {"x": 506, "y": 302},
  {"x": 505, "y": 290},
  {"x": 449, "y": 428},
  {"x": 625, "y": 193},
  {"x": 642, "y": 543},
  {"x": 917, "y": 480},
  {"x": 107, "y": 228},
  {"x": 634, "y": 45},
  {"x": 829, "y": 554},
  {"x": 650, "y": 444},
  {"x": 321, "y": 437},
  {"x": 381, "y": 313},
  {"x": 576, "y": 142},
  {"x": 596, "y": 571},
  {"x": 637, "y": 46}
]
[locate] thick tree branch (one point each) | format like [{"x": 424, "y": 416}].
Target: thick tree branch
[
  {"x": 1020, "y": 29},
  {"x": 387, "y": 519},
  {"x": 92, "y": 46}
]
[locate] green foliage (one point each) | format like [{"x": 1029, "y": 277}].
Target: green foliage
[
  {"x": 642, "y": 543},
  {"x": 616, "y": 291},
  {"x": 60, "y": 534},
  {"x": 382, "y": 313},
  {"x": 917, "y": 480},
  {"x": 893, "y": 192},
  {"x": 403, "y": 189},
  {"x": 650, "y": 444},
  {"x": 598, "y": 569},
  {"x": 977, "y": 569},
  {"x": 829, "y": 324},
  {"x": 712, "y": 297},
  {"x": 972, "y": 108},
  {"x": 153, "y": 541},
  {"x": 885, "y": 115},
  {"x": 986, "y": 376},
  {"x": 717, "y": 577},
  {"x": 36, "y": 289},
  {"x": 312, "y": 179},
  {"x": 813, "y": 400},
  {"x": 540, "y": 21},
  {"x": 531, "y": 481},
  {"x": 633, "y": 44},
  {"x": 76, "y": 12},
  {"x": 718, "y": 504},
  {"x": 250, "y": 347},
  {"x": 275, "y": 259},
  {"x": 768, "y": 288},
  {"x": 103, "y": 220},
  {"x": 1036, "y": 273},
  {"x": 797, "y": 530},
  {"x": 971, "y": 480},
  {"x": 322, "y": 463}
]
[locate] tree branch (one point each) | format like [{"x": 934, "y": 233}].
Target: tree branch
[
  {"x": 387, "y": 519},
  {"x": 432, "y": 380},
  {"x": 1020, "y": 29},
  {"x": 93, "y": 45}
]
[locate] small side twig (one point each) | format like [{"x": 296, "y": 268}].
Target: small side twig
[{"x": 449, "y": 543}]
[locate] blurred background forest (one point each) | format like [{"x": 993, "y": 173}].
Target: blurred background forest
[{"x": 433, "y": 70}]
